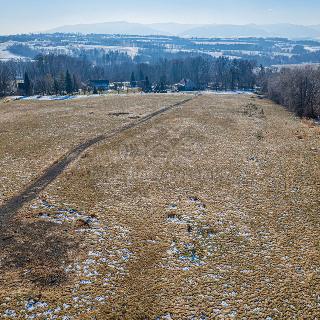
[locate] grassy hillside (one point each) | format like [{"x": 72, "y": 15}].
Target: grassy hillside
[{"x": 209, "y": 210}]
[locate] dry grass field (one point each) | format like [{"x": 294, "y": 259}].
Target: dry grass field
[{"x": 209, "y": 210}]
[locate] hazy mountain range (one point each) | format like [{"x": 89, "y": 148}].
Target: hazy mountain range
[{"x": 193, "y": 30}]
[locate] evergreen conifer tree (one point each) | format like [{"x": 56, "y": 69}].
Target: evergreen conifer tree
[
  {"x": 147, "y": 86},
  {"x": 133, "y": 80},
  {"x": 27, "y": 85},
  {"x": 68, "y": 83}
]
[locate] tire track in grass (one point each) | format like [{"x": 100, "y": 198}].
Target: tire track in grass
[{"x": 31, "y": 191}]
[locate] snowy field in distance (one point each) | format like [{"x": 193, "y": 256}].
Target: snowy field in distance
[{"x": 5, "y": 54}]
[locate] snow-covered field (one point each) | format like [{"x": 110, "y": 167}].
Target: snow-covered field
[
  {"x": 67, "y": 97},
  {"x": 312, "y": 49},
  {"x": 135, "y": 45},
  {"x": 131, "y": 51},
  {"x": 51, "y": 98},
  {"x": 4, "y": 53}
]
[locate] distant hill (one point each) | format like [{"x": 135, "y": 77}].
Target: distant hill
[
  {"x": 273, "y": 30},
  {"x": 172, "y": 28},
  {"x": 118, "y": 27},
  {"x": 291, "y": 30},
  {"x": 216, "y": 30},
  {"x": 286, "y": 30},
  {"x": 317, "y": 27}
]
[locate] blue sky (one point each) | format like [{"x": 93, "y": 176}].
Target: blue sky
[{"x": 19, "y": 16}]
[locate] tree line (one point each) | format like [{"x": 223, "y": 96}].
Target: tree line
[
  {"x": 298, "y": 89},
  {"x": 267, "y": 59},
  {"x": 57, "y": 74}
]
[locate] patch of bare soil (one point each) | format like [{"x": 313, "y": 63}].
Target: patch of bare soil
[{"x": 36, "y": 251}]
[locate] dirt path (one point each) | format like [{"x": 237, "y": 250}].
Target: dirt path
[{"x": 8, "y": 209}]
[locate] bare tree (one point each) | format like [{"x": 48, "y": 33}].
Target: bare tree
[
  {"x": 6, "y": 79},
  {"x": 297, "y": 89}
]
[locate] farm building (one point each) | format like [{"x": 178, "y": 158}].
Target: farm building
[
  {"x": 186, "y": 85},
  {"x": 19, "y": 83},
  {"x": 100, "y": 84}
]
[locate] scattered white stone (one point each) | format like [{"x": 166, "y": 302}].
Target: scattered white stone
[
  {"x": 33, "y": 305},
  {"x": 10, "y": 313},
  {"x": 224, "y": 304},
  {"x": 100, "y": 298}
]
